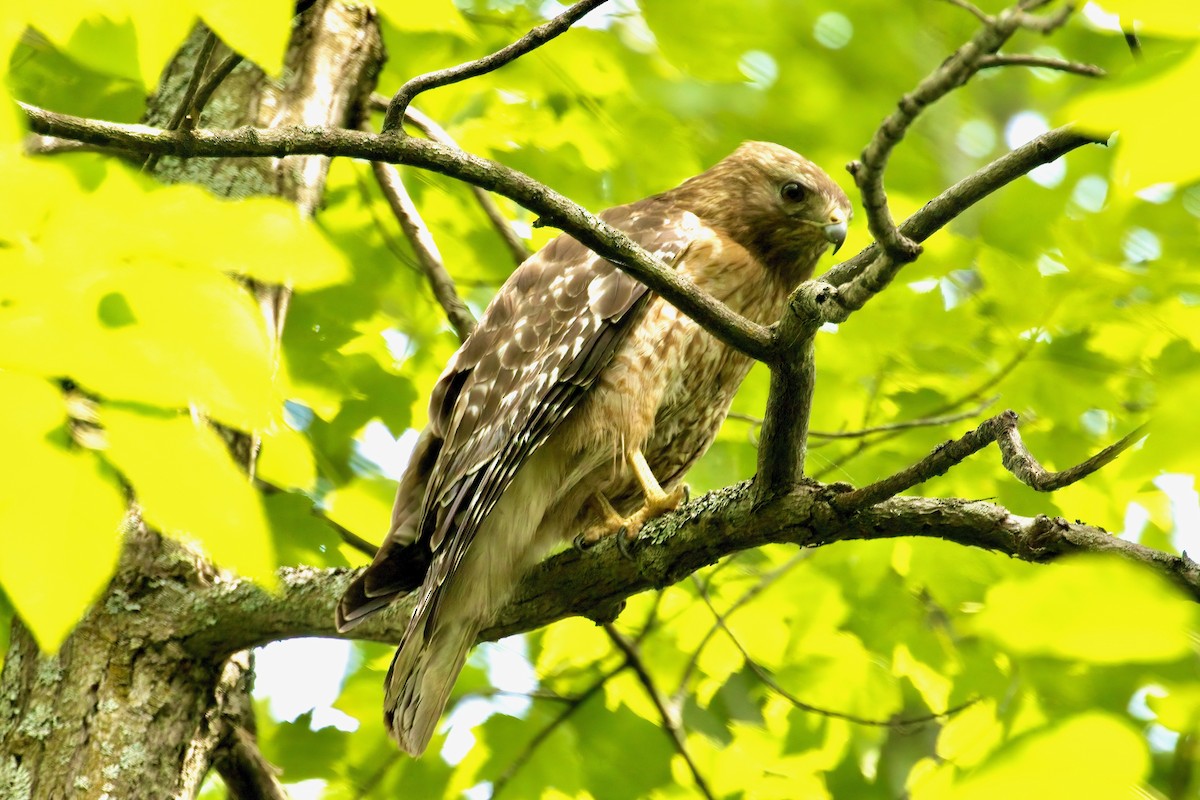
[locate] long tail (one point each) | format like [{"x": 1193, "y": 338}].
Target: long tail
[{"x": 421, "y": 677}]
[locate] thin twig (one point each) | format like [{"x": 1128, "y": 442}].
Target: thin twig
[
  {"x": 541, "y": 736},
  {"x": 209, "y": 87},
  {"x": 1001, "y": 429},
  {"x": 990, "y": 382},
  {"x": 202, "y": 58},
  {"x": 425, "y": 248},
  {"x": 670, "y": 723},
  {"x": 1047, "y": 24},
  {"x": 870, "y": 271},
  {"x": 769, "y": 681},
  {"x": 537, "y": 694},
  {"x": 924, "y": 422},
  {"x": 36, "y": 145},
  {"x": 366, "y": 787},
  {"x": 927, "y": 422},
  {"x": 1042, "y": 62},
  {"x": 426, "y": 124},
  {"x": 952, "y": 73},
  {"x": 348, "y": 536},
  {"x": 1133, "y": 42},
  {"x": 431, "y": 80},
  {"x": 745, "y": 597},
  {"x": 972, "y": 9}
]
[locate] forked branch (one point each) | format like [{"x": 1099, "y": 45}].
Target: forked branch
[
  {"x": 425, "y": 248},
  {"x": 955, "y": 71},
  {"x": 1001, "y": 429},
  {"x": 444, "y": 77}
]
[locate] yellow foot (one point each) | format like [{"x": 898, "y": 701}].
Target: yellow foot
[
  {"x": 611, "y": 524},
  {"x": 628, "y": 528}
]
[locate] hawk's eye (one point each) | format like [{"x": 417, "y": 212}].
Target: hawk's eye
[{"x": 793, "y": 192}]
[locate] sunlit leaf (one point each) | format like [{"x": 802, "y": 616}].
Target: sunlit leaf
[
  {"x": 1179, "y": 708},
  {"x": 259, "y": 32},
  {"x": 1153, "y": 146},
  {"x": 187, "y": 485},
  {"x": 1158, "y": 17},
  {"x": 441, "y": 16},
  {"x": 970, "y": 736},
  {"x": 286, "y": 459},
  {"x": 363, "y": 506},
  {"x": 60, "y": 513},
  {"x": 1089, "y": 755},
  {"x": 1102, "y": 610}
]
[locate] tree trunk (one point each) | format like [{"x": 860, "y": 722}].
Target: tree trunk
[{"x": 127, "y": 709}]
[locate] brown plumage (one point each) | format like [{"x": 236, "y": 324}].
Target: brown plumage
[{"x": 577, "y": 405}]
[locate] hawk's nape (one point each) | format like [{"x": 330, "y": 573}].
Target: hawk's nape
[{"x": 577, "y": 405}]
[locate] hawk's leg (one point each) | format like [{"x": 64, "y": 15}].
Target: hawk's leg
[
  {"x": 657, "y": 502},
  {"x": 612, "y": 522}
]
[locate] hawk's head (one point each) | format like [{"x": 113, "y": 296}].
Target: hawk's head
[{"x": 776, "y": 203}]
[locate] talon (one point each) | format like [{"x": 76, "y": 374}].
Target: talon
[
  {"x": 625, "y": 544},
  {"x": 687, "y": 494},
  {"x": 581, "y": 543}
]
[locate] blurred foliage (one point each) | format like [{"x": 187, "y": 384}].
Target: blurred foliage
[{"x": 1071, "y": 296}]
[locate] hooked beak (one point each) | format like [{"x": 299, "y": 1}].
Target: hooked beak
[{"x": 835, "y": 234}]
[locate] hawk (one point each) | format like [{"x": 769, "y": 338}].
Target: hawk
[{"x": 577, "y": 405}]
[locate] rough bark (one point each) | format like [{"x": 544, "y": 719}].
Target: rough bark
[{"x": 116, "y": 713}]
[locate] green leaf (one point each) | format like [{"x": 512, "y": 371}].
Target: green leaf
[
  {"x": 557, "y": 762},
  {"x": 300, "y": 536},
  {"x": 440, "y": 16},
  {"x": 1158, "y": 17},
  {"x": 1089, "y": 755},
  {"x": 1102, "y": 610},
  {"x": 187, "y": 484},
  {"x": 129, "y": 38},
  {"x": 610, "y": 735},
  {"x": 60, "y": 513},
  {"x": 285, "y": 459},
  {"x": 174, "y": 337},
  {"x": 1153, "y": 147},
  {"x": 258, "y": 31},
  {"x": 1179, "y": 709},
  {"x": 301, "y": 752},
  {"x": 363, "y": 506},
  {"x": 104, "y": 293}
]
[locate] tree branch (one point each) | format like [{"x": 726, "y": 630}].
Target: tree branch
[
  {"x": 425, "y": 248},
  {"x": 1001, "y": 429},
  {"x": 953, "y": 73},
  {"x": 189, "y": 94},
  {"x": 670, "y": 548},
  {"x": 948, "y": 205},
  {"x": 515, "y": 244},
  {"x": 530, "y": 41},
  {"x": 541, "y": 736},
  {"x": 1042, "y": 62},
  {"x": 669, "y": 720},
  {"x": 210, "y": 86},
  {"x": 781, "y": 454},
  {"x": 890, "y": 427},
  {"x": 246, "y": 773},
  {"x": 769, "y": 681},
  {"x": 991, "y": 381},
  {"x": 554, "y": 209}
]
